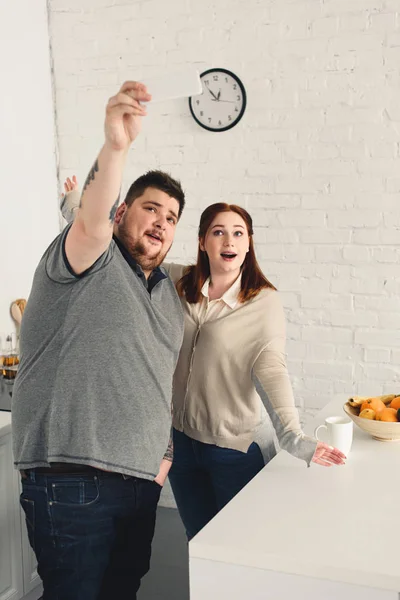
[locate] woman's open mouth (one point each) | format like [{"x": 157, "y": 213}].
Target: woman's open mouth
[{"x": 228, "y": 256}]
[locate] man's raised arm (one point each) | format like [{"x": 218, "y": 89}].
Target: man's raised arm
[{"x": 92, "y": 229}]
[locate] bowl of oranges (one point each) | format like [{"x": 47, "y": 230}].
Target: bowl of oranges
[{"x": 379, "y": 415}]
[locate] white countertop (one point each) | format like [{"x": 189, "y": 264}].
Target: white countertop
[
  {"x": 5, "y": 422},
  {"x": 339, "y": 523}
]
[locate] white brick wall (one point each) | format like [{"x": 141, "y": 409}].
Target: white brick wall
[{"x": 315, "y": 159}]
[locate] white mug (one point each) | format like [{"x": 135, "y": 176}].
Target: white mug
[{"x": 340, "y": 433}]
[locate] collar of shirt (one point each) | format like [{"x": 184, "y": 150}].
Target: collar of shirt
[
  {"x": 155, "y": 276},
  {"x": 231, "y": 296}
]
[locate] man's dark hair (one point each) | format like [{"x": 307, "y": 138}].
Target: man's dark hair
[{"x": 160, "y": 181}]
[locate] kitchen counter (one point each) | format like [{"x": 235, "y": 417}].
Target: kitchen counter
[{"x": 338, "y": 524}]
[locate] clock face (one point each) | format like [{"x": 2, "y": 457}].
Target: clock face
[{"x": 222, "y": 102}]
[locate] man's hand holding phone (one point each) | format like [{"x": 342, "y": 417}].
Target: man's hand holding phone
[{"x": 124, "y": 114}]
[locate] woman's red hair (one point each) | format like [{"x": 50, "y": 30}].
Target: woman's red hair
[{"x": 253, "y": 280}]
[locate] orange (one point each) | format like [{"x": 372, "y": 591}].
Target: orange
[
  {"x": 387, "y": 414},
  {"x": 375, "y": 403},
  {"x": 395, "y": 403}
]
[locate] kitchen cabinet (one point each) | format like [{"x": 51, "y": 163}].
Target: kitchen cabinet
[{"x": 18, "y": 576}]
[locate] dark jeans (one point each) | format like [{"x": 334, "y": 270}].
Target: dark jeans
[
  {"x": 91, "y": 532},
  {"x": 204, "y": 478}
]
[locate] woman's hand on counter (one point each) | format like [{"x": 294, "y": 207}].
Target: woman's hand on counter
[{"x": 327, "y": 456}]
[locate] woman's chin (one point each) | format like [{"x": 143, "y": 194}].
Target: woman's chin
[{"x": 225, "y": 266}]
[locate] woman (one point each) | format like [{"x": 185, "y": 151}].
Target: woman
[{"x": 232, "y": 357}]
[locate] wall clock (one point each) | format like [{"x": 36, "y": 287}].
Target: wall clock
[{"x": 222, "y": 102}]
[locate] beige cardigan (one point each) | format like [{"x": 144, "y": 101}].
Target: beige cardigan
[{"x": 225, "y": 366}]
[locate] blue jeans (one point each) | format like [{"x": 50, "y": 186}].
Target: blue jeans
[
  {"x": 91, "y": 532},
  {"x": 204, "y": 478}
]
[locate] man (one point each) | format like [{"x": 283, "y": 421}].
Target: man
[{"x": 91, "y": 407}]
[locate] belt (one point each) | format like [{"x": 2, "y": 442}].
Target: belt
[
  {"x": 72, "y": 469},
  {"x": 60, "y": 468}
]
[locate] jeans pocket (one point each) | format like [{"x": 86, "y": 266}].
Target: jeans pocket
[
  {"x": 28, "y": 507},
  {"x": 75, "y": 492}
]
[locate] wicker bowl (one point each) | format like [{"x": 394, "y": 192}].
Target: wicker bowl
[{"x": 379, "y": 430}]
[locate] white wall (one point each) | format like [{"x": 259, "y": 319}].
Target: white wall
[
  {"x": 315, "y": 159},
  {"x": 29, "y": 215}
]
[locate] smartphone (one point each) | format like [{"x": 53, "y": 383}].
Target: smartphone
[{"x": 178, "y": 84}]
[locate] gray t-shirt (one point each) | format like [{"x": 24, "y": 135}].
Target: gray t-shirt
[{"x": 98, "y": 353}]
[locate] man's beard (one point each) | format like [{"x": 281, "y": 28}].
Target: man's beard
[{"x": 138, "y": 251}]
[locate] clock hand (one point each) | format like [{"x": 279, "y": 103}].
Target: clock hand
[
  {"x": 219, "y": 95},
  {"x": 217, "y": 99},
  {"x": 212, "y": 93}
]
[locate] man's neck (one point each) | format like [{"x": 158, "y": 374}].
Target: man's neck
[
  {"x": 220, "y": 283},
  {"x": 146, "y": 272}
]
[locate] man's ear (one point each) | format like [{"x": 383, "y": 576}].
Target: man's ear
[{"x": 120, "y": 213}]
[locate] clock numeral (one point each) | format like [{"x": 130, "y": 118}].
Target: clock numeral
[
  {"x": 201, "y": 113},
  {"x": 229, "y": 117},
  {"x": 226, "y": 80},
  {"x": 238, "y": 98},
  {"x": 235, "y": 86},
  {"x": 197, "y": 101},
  {"x": 236, "y": 109},
  {"x": 215, "y": 77},
  {"x": 206, "y": 81},
  {"x": 209, "y": 119},
  {"x": 219, "y": 123}
]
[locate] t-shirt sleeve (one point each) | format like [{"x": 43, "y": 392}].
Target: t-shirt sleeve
[
  {"x": 57, "y": 266},
  {"x": 272, "y": 382}
]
